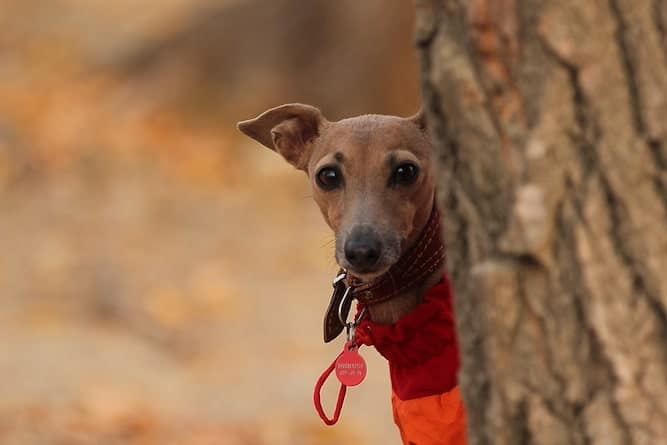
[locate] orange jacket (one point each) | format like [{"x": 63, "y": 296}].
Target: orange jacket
[{"x": 432, "y": 420}]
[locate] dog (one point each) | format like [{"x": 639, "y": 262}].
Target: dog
[{"x": 373, "y": 179}]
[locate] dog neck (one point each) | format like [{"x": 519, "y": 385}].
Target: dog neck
[
  {"x": 399, "y": 290},
  {"x": 390, "y": 311}
]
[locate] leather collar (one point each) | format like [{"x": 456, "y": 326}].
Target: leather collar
[{"x": 414, "y": 266}]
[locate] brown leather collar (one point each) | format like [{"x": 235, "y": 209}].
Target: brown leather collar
[{"x": 414, "y": 266}]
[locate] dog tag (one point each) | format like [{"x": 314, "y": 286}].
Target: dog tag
[{"x": 350, "y": 366}]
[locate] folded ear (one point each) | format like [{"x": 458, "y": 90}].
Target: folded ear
[
  {"x": 288, "y": 129},
  {"x": 419, "y": 119}
]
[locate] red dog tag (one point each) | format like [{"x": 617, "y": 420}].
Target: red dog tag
[{"x": 350, "y": 366}]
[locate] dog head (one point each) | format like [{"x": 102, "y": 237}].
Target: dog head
[{"x": 371, "y": 176}]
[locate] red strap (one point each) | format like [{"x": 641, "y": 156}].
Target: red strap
[{"x": 318, "y": 389}]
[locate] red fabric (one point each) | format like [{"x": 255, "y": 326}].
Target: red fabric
[{"x": 421, "y": 347}]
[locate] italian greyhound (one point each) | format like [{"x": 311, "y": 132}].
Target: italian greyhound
[{"x": 372, "y": 177}]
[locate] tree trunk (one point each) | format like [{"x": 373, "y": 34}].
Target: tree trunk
[{"x": 550, "y": 122}]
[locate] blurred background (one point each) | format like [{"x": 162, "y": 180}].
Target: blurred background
[{"x": 163, "y": 279}]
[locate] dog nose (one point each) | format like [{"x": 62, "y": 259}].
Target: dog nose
[{"x": 362, "y": 248}]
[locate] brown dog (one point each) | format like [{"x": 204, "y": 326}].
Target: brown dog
[{"x": 372, "y": 177}]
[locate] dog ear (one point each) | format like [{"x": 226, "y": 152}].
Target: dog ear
[
  {"x": 288, "y": 129},
  {"x": 419, "y": 119}
]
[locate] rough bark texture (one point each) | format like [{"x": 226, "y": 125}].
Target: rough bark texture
[{"x": 550, "y": 119}]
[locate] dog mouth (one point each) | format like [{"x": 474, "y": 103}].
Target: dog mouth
[
  {"x": 368, "y": 271},
  {"x": 366, "y": 274}
]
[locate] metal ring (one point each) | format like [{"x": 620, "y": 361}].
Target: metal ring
[
  {"x": 340, "y": 277},
  {"x": 360, "y": 316},
  {"x": 350, "y": 332},
  {"x": 340, "y": 306}
]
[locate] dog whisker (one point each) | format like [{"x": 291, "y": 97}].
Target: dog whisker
[{"x": 328, "y": 243}]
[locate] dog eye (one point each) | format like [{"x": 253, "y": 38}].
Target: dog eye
[
  {"x": 404, "y": 174},
  {"x": 329, "y": 178}
]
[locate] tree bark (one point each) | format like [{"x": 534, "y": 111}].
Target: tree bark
[{"x": 550, "y": 123}]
